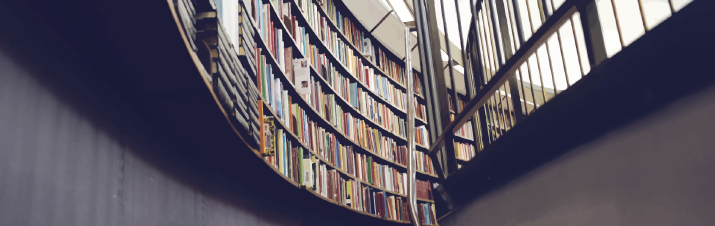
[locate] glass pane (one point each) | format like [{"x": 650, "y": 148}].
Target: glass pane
[
  {"x": 679, "y": 4},
  {"x": 557, "y": 63},
  {"x": 581, "y": 43},
  {"x": 568, "y": 46},
  {"x": 523, "y": 13},
  {"x": 655, "y": 11},
  {"x": 611, "y": 38},
  {"x": 401, "y": 10},
  {"x": 630, "y": 20}
]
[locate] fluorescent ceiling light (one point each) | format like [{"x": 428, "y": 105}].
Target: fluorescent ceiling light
[{"x": 402, "y": 11}]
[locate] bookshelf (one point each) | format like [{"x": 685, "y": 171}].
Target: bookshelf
[
  {"x": 464, "y": 143},
  {"x": 347, "y": 147}
]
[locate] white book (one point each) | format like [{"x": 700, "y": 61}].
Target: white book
[{"x": 301, "y": 70}]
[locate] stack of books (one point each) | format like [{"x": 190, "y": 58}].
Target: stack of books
[
  {"x": 230, "y": 71},
  {"x": 187, "y": 11}
]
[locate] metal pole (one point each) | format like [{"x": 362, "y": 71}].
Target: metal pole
[{"x": 412, "y": 191}]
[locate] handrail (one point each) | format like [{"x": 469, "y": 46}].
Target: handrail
[{"x": 507, "y": 70}]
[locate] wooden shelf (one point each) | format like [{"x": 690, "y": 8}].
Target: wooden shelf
[
  {"x": 424, "y": 200},
  {"x": 419, "y": 146},
  {"x": 423, "y": 122},
  {"x": 427, "y": 174},
  {"x": 463, "y": 138}
]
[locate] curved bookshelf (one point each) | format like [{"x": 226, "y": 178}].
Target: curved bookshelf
[
  {"x": 344, "y": 69},
  {"x": 265, "y": 109},
  {"x": 350, "y": 44},
  {"x": 315, "y": 73}
]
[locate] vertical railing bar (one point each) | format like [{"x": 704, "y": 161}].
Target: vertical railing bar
[
  {"x": 563, "y": 57},
  {"x": 483, "y": 134},
  {"x": 517, "y": 21},
  {"x": 642, "y": 10},
  {"x": 542, "y": 11},
  {"x": 528, "y": 12},
  {"x": 447, "y": 43},
  {"x": 491, "y": 120},
  {"x": 531, "y": 83},
  {"x": 551, "y": 66},
  {"x": 509, "y": 104},
  {"x": 672, "y": 8},
  {"x": 618, "y": 24},
  {"x": 467, "y": 83},
  {"x": 500, "y": 114},
  {"x": 492, "y": 39},
  {"x": 523, "y": 91},
  {"x": 487, "y": 40},
  {"x": 481, "y": 45},
  {"x": 578, "y": 50},
  {"x": 487, "y": 49},
  {"x": 512, "y": 25},
  {"x": 541, "y": 75},
  {"x": 545, "y": 14},
  {"x": 498, "y": 39}
]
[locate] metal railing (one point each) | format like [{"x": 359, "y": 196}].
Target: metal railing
[{"x": 522, "y": 53}]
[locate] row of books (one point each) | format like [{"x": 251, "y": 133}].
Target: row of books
[
  {"x": 417, "y": 83},
  {"x": 464, "y": 151},
  {"x": 325, "y": 143},
  {"x": 376, "y": 83},
  {"x": 424, "y": 163},
  {"x": 465, "y": 130},
  {"x": 422, "y": 136},
  {"x": 387, "y": 147},
  {"x": 187, "y": 13},
  {"x": 381, "y": 86},
  {"x": 388, "y": 206},
  {"x": 272, "y": 36},
  {"x": 394, "y": 124},
  {"x": 357, "y": 37},
  {"x": 426, "y": 213},
  {"x": 380, "y": 175},
  {"x": 289, "y": 158},
  {"x": 239, "y": 31},
  {"x": 424, "y": 189},
  {"x": 420, "y": 111},
  {"x": 230, "y": 74},
  {"x": 307, "y": 170},
  {"x": 353, "y": 128},
  {"x": 367, "y": 107}
]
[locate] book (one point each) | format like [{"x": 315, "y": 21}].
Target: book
[
  {"x": 269, "y": 130},
  {"x": 302, "y": 75}
]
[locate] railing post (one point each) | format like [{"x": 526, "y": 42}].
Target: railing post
[{"x": 592, "y": 33}]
